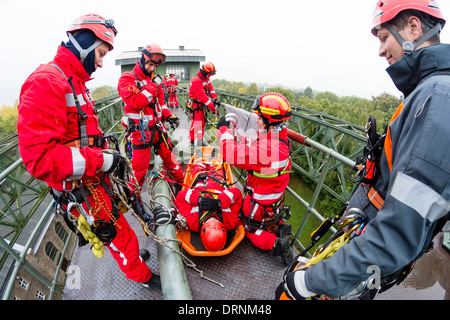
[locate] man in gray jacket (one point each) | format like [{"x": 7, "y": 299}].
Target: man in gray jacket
[{"x": 412, "y": 191}]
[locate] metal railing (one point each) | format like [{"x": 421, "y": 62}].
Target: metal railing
[{"x": 18, "y": 188}]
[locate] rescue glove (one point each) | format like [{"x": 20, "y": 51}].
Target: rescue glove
[
  {"x": 209, "y": 204},
  {"x": 293, "y": 286},
  {"x": 173, "y": 121},
  {"x": 222, "y": 123},
  {"x": 111, "y": 161},
  {"x": 216, "y": 102}
]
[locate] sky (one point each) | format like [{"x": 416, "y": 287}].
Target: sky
[{"x": 323, "y": 44}]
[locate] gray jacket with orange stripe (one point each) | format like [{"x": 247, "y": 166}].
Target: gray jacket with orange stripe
[{"x": 414, "y": 180}]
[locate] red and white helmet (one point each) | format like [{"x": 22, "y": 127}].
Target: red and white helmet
[
  {"x": 154, "y": 53},
  {"x": 102, "y": 28},
  {"x": 213, "y": 234}
]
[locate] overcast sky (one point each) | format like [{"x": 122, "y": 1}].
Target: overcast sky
[{"x": 324, "y": 44}]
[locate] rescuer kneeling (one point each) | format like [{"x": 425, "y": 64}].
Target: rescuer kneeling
[{"x": 267, "y": 161}]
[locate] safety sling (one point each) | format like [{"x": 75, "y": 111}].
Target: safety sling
[{"x": 158, "y": 127}]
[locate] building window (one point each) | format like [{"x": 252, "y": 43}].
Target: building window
[
  {"x": 181, "y": 71},
  {"x": 61, "y": 232},
  {"x": 40, "y": 295},
  {"x": 23, "y": 283},
  {"x": 51, "y": 251}
]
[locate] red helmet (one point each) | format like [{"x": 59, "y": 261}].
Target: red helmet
[
  {"x": 213, "y": 234},
  {"x": 272, "y": 106},
  {"x": 154, "y": 53},
  {"x": 386, "y": 10},
  {"x": 103, "y": 29},
  {"x": 209, "y": 68}
]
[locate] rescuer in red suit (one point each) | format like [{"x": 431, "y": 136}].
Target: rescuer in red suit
[
  {"x": 145, "y": 110},
  {"x": 201, "y": 97},
  {"x": 61, "y": 143},
  {"x": 171, "y": 85},
  {"x": 267, "y": 161}
]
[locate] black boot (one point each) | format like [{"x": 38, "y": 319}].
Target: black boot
[
  {"x": 282, "y": 249},
  {"x": 153, "y": 283},
  {"x": 144, "y": 254},
  {"x": 284, "y": 229}
]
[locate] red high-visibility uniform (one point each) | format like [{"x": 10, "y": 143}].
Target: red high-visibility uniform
[
  {"x": 230, "y": 198},
  {"x": 267, "y": 160},
  {"x": 144, "y": 99},
  {"x": 201, "y": 93},
  {"x": 48, "y": 131},
  {"x": 171, "y": 84}
]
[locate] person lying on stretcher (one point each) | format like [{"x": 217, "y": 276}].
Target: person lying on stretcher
[{"x": 210, "y": 206}]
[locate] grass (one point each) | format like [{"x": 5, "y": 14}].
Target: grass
[{"x": 298, "y": 211}]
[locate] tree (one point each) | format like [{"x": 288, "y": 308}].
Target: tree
[
  {"x": 308, "y": 92},
  {"x": 252, "y": 89},
  {"x": 285, "y": 92},
  {"x": 102, "y": 92},
  {"x": 332, "y": 97},
  {"x": 8, "y": 119}
]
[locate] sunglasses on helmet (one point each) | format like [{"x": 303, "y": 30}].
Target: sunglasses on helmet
[{"x": 156, "y": 58}]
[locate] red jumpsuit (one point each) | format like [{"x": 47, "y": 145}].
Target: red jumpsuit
[
  {"x": 171, "y": 84},
  {"x": 267, "y": 160},
  {"x": 201, "y": 92},
  {"x": 48, "y": 131},
  {"x": 230, "y": 198},
  {"x": 141, "y": 97}
]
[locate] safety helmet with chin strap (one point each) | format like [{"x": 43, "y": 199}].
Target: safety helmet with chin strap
[
  {"x": 273, "y": 108},
  {"x": 208, "y": 69},
  {"x": 386, "y": 10},
  {"x": 103, "y": 29}
]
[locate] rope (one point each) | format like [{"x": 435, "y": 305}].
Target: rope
[{"x": 153, "y": 182}]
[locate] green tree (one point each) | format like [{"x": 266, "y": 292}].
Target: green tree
[
  {"x": 332, "y": 97},
  {"x": 308, "y": 92},
  {"x": 102, "y": 92},
  {"x": 252, "y": 89},
  {"x": 285, "y": 92},
  {"x": 8, "y": 119}
]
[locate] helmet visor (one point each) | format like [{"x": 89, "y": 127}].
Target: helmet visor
[
  {"x": 156, "y": 58},
  {"x": 256, "y": 104}
]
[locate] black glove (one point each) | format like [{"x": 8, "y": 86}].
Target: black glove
[
  {"x": 287, "y": 289},
  {"x": 209, "y": 204},
  {"x": 173, "y": 121},
  {"x": 222, "y": 122},
  {"x": 112, "y": 160},
  {"x": 216, "y": 102}
]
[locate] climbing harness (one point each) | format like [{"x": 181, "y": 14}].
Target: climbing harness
[
  {"x": 155, "y": 177},
  {"x": 368, "y": 165},
  {"x": 351, "y": 224}
]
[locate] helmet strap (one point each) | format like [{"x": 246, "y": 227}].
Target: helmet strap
[
  {"x": 408, "y": 46},
  {"x": 84, "y": 52}
]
